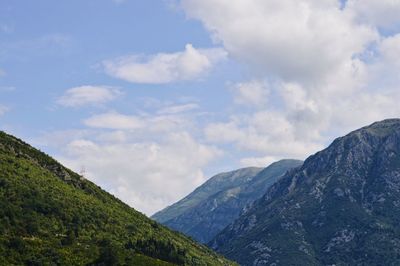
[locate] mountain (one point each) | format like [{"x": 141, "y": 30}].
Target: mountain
[
  {"x": 213, "y": 185},
  {"x": 342, "y": 207},
  {"x": 219, "y": 201},
  {"x": 50, "y": 215}
]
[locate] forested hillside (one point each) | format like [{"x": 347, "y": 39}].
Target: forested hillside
[{"x": 50, "y": 215}]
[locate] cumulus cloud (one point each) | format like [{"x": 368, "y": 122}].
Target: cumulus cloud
[
  {"x": 258, "y": 161},
  {"x": 390, "y": 51},
  {"x": 316, "y": 69},
  {"x": 330, "y": 67},
  {"x": 162, "y": 68},
  {"x": 146, "y": 175},
  {"x": 146, "y": 160},
  {"x": 88, "y": 95},
  {"x": 262, "y": 132},
  {"x": 253, "y": 93},
  {"x": 384, "y": 13},
  {"x": 295, "y": 40}
]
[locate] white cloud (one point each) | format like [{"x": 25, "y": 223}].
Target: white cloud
[
  {"x": 114, "y": 120},
  {"x": 263, "y": 132},
  {"x": 292, "y": 39},
  {"x": 138, "y": 123},
  {"x": 258, "y": 161},
  {"x": 316, "y": 71},
  {"x": 88, "y": 95},
  {"x": 148, "y": 160},
  {"x": 148, "y": 175},
  {"x": 390, "y": 50},
  {"x": 165, "y": 67},
  {"x": 369, "y": 107},
  {"x": 327, "y": 66},
  {"x": 253, "y": 93},
  {"x": 174, "y": 109},
  {"x": 383, "y": 13}
]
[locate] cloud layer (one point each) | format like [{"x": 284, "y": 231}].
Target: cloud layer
[
  {"x": 329, "y": 67},
  {"x": 253, "y": 93},
  {"x": 88, "y": 95},
  {"x": 162, "y": 68},
  {"x": 312, "y": 70},
  {"x": 147, "y": 160},
  {"x": 295, "y": 40}
]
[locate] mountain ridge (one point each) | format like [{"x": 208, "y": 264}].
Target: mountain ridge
[
  {"x": 205, "y": 190},
  {"x": 228, "y": 199},
  {"x": 340, "y": 207}
]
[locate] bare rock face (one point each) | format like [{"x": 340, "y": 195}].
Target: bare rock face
[{"x": 341, "y": 207}]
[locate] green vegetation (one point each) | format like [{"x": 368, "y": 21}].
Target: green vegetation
[{"x": 50, "y": 215}]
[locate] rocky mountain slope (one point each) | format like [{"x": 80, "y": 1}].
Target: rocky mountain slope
[
  {"x": 50, "y": 215},
  {"x": 215, "y": 184},
  {"x": 342, "y": 207},
  {"x": 222, "y": 198}
]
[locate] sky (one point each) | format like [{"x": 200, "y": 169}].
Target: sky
[{"x": 151, "y": 98}]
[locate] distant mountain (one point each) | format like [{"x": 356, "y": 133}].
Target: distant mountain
[
  {"x": 215, "y": 184},
  {"x": 50, "y": 215},
  {"x": 218, "y": 202},
  {"x": 342, "y": 207}
]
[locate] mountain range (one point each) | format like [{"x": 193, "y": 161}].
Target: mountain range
[
  {"x": 341, "y": 207},
  {"x": 50, "y": 215},
  {"x": 219, "y": 201}
]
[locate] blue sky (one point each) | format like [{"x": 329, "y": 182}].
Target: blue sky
[{"x": 153, "y": 97}]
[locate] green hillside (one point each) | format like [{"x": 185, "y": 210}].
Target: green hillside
[{"x": 50, "y": 215}]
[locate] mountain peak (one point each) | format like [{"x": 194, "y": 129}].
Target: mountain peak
[
  {"x": 359, "y": 148},
  {"x": 387, "y": 123},
  {"x": 378, "y": 130}
]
